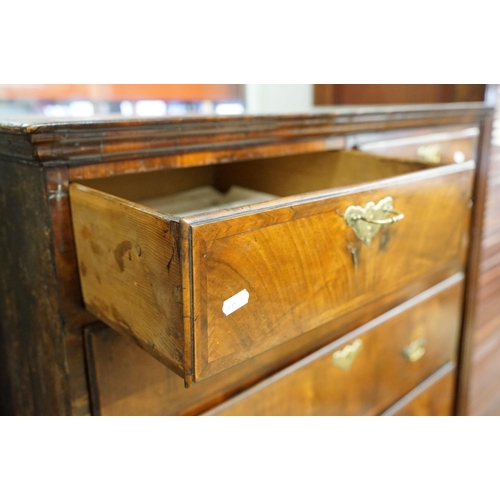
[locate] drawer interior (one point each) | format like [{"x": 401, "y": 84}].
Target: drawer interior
[{"x": 212, "y": 187}]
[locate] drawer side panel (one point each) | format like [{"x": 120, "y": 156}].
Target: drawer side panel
[{"x": 130, "y": 272}]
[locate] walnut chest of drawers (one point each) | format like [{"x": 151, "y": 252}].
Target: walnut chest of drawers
[{"x": 341, "y": 282}]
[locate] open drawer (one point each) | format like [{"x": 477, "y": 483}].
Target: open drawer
[{"x": 204, "y": 292}]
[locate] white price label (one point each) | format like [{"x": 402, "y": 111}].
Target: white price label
[{"x": 235, "y": 302}]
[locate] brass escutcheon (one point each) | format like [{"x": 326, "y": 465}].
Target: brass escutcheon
[
  {"x": 345, "y": 357},
  {"x": 414, "y": 350},
  {"x": 367, "y": 221}
]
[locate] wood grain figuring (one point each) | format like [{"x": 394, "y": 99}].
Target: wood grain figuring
[
  {"x": 303, "y": 266},
  {"x": 433, "y": 397},
  {"x": 129, "y": 262},
  {"x": 378, "y": 376},
  {"x": 128, "y": 381}
]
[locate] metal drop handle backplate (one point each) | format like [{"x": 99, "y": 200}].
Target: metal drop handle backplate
[
  {"x": 344, "y": 358},
  {"x": 366, "y": 222},
  {"x": 414, "y": 350}
]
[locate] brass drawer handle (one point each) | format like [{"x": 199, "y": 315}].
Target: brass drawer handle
[
  {"x": 344, "y": 357},
  {"x": 414, "y": 350},
  {"x": 390, "y": 220},
  {"x": 366, "y": 222},
  {"x": 430, "y": 153}
]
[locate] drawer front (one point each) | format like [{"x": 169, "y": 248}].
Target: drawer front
[
  {"x": 368, "y": 370},
  {"x": 433, "y": 397},
  {"x": 439, "y": 147},
  {"x": 291, "y": 270}
]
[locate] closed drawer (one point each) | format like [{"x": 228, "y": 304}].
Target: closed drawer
[
  {"x": 438, "y": 146},
  {"x": 433, "y": 397},
  {"x": 205, "y": 292},
  {"x": 370, "y": 369}
]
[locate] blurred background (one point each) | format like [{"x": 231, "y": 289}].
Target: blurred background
[{"x": 155, "y": 100}]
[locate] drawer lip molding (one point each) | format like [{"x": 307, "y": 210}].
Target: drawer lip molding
[
  {"x": 439, "y": 375},
  {"x": 447, "y": 139},
  {"x": 78, "y": 145},
  {"x": 287, "y": 201},
  {"x": 447, "y": 285},
  {"x": 164, "y": 279}
]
